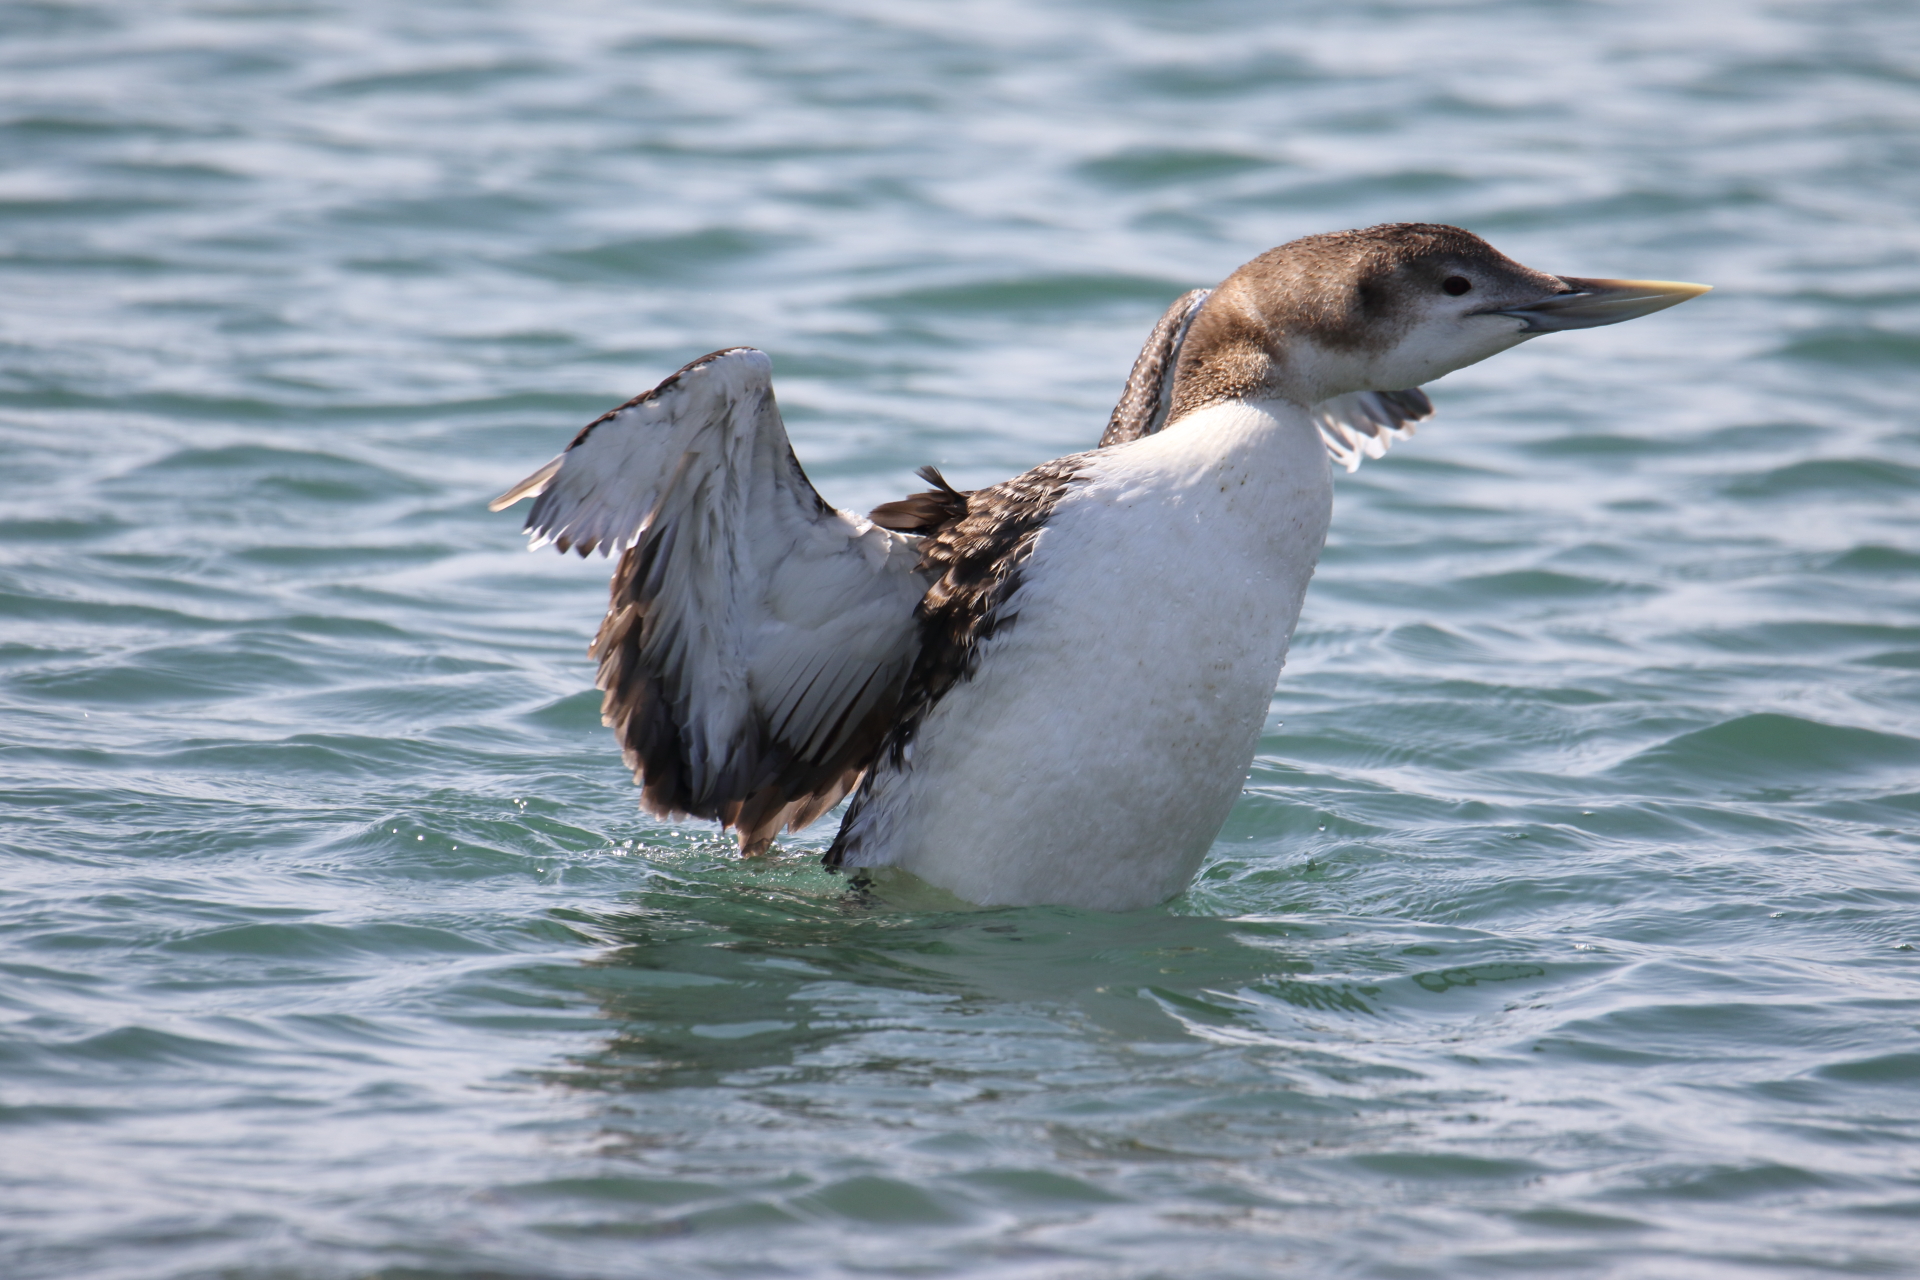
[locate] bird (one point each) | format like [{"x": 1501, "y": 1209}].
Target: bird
[{"x": 1047, "y": 691}]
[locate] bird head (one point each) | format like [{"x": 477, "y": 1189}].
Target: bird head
[{"x": 1382, "y": 309}]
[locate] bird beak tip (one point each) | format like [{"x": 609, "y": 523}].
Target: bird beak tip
[{"x": 1597, "y": 302}]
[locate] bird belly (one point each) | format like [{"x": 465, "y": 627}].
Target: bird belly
[{"x": 1105, "y": 733}]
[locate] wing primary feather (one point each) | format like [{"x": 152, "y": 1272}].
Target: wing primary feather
[{"x": 532, "y": 486}]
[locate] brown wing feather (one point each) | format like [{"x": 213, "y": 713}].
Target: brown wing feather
[
  {"x": 976, "y": 562},
  {"x": 923, "y": 513}
]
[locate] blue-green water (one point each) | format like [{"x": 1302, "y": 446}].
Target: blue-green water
[{"x": 1566, "y": 928}]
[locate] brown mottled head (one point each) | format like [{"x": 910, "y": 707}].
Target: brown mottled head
[{"x": 1379, "y": 309}]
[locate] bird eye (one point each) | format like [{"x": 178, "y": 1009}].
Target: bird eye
[{"x": 1456, "y": 285}]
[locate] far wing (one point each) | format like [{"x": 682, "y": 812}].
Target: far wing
[
  {"x": 1356, "y": 425},
  {"x": 1363, "y": 423},
  {"x": 757, "y": 639},
  {"x": 1149, "y": 391}
]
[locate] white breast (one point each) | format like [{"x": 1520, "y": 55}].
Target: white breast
[{"x": 1093, "y": 756}]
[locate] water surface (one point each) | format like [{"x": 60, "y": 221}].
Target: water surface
[{"x": 1566, "y": 927}]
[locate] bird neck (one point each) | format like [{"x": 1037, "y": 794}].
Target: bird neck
[
  {"x": 1247, "y": 449},
  {"x": 1235, "y": 353}
]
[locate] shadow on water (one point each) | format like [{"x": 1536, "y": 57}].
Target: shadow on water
[
  {"x": 720, "y": 975},
  {"x": 741, "y": 973},
  {"x": 823, "y": 1061}
]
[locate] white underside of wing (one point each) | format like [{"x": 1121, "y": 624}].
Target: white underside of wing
[
  {"x": 778, "y": 622},
  {"x": 773, "y": 624},
  {"x": 816, "y": 669},
  {"x": 1364, "y": 424},
  {"x": 598, "y": 495}
]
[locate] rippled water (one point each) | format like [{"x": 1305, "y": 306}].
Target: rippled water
[{"x": 1566, "y": 927}]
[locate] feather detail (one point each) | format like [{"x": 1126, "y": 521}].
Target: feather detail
[
  {"x": 757, "y": 640},
  {"x": 1362, "y": 424}
]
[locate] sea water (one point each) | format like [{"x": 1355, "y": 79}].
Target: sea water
[{"x": 1566, "y": 927}]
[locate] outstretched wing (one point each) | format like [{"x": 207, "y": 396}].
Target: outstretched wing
[
  {"x": 1360, "y": 424},
  {"x": 757, "y": 639}
]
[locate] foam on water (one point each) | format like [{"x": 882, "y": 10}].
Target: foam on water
[{"x": 1566, "y": 926}]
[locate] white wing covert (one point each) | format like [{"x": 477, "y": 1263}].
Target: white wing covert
[{"x": 757, "y": 639}]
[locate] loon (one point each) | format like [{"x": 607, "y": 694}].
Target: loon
[{"x": 1047, "y": 691}]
